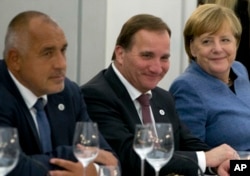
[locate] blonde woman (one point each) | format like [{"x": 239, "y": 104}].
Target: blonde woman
[
  {"x": 242, "y": 9},
  {"x": 212, "y": 96}
]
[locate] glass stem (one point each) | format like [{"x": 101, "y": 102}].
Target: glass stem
[
  {"x": 84, "y": 171},
  {"x": 156, "y": 173},
  {"x": 142, "y": 167}
]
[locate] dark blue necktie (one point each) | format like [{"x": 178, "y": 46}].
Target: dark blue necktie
[{"x": 43, "y": 126}]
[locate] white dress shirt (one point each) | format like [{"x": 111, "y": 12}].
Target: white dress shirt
[{"x": 29, "y": 98}]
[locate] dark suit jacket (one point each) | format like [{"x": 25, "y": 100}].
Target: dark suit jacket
[
  {"x": 14, "y": 113},
  {"x": 109, "y": 104}
]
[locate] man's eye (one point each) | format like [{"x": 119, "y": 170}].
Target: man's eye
[
  {"x": 48, "y": 53},
  {"x": 63, "y": 50},
  {"x": 148, "y": 56},
  {"x": 165, "y": 58}
]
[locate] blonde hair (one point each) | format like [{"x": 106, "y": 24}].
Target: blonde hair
[
  {"x": 209, "y": 18},
  {"x": 226, "y": 3}
]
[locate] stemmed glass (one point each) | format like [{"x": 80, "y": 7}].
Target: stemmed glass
[
  {"x": 9, "y": 149},
  {"x": 244, "y": 155},
  {"x": 109, "y": 171},
  {"x": 163, "y": 147},
  {"x": 86, "y": 142},
  {"x": 143, "y": 142}
]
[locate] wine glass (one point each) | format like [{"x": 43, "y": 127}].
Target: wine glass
[
  {"x": 143, "y": 142},
  {"x": 163, "y": 146},
  {"x": 86, "y": 143},
  {"x": 244, "y": 155},
  {"x": 109, "y": 171},
  {"x": 9, "y": 149}
]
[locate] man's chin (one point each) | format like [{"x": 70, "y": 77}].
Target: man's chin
[{"x": 56, "y": 89}]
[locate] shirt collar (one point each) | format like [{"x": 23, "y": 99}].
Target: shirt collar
[
  {"x": 133, "y": 92},
  {"x": 29, "y": 97}
]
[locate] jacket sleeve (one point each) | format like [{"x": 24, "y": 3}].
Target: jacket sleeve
[{"x": 190, "y": 107}]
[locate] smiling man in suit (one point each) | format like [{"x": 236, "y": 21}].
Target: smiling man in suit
[
  {"x": 33, "y": 68},
  {"x": 140, "y": 61}
]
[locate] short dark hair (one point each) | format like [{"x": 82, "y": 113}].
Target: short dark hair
[
  {"x": 136, "y": 23},
  {"x": 18, "y": 27}
]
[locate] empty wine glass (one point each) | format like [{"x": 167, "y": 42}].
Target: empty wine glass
[
  {"x": 86, "y": 142},
  {"x": 163, "y": 146},
  {"x": 9, "y": 149},
  {"x": 143, "y": 142},
  {"x": 244, "y": 155},
  {"x": 109, "y": 171}
]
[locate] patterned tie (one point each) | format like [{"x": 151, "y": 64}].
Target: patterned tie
[
  {"x": 144, "y": 102},
  {"x": 43, "y": 126}
]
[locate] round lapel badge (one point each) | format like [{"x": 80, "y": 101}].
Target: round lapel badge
[{"x": 61, "y": 107}]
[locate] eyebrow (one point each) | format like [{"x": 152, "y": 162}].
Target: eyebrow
[
  {"x": 152, "y": 53},
  {"x": 52, "y": 48}
]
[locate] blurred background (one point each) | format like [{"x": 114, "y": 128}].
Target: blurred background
[{"x": 92, "y": 26}]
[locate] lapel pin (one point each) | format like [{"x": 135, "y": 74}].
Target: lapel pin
[
  {"x": 162, "y": 112},
  {"x": 61, "y": 107}
]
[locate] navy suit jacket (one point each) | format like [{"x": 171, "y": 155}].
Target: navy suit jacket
[
  {"x": 109, "y": 104},
  {"x": 14, "y": 113}
]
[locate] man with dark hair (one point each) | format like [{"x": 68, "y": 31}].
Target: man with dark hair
[{"x": 140, "y": 61}]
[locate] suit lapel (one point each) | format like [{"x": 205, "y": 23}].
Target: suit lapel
[
  {"x": 10, "y": 85},
  {"x": 62, "y": 115},
  {"x": 160, "y": 112},
  {"x": 123, "y": 94},
  {"x": 57, "y": 115}
]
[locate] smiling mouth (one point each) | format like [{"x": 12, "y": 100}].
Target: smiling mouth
[{"x": 218, "y": 58}]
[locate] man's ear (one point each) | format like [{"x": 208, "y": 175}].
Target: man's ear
[
  {"x": 13, "y": 59},
  {"x": 119, "y": 53}
]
